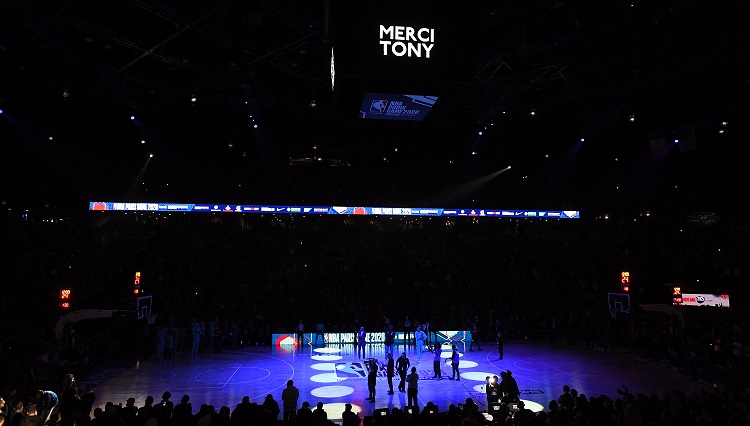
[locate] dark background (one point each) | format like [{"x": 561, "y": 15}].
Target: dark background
[{"x": 76, "y": 71}]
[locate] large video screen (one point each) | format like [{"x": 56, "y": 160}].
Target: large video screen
[
  {"x": 389, "y": 106},
  {"x": 397, "y": 40}
]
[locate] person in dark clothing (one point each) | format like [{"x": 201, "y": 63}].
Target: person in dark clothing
[
  {"x": 513, "y": 390},
  {"x": 389, "y": 373},
  {"x": 46, "y": 402},
  {"x": 500, "y": 343},
  {"x": 361, "y": 341},
  {"x": 350, "y": 418},
  {"x": 272, "y": 406},
  {"x": 289, "y": 396},
  {"x": 129, "y": 412},
  {"x": 524, "y": 416},
  {"x": 68, "y": 401},
  {"x": 304, "y": 414},
  {"x": 87, "y": 401},
  {"x": 566, "y": 400},
  {"x": 437, "y": 352},
  {"x": 456, "y": 375},
  {"x": 475, "y": 336},
  {"x": 183, "y": 412},
  {"x": 146, "y": 412},
  {"x": 411, "y": 395},
  {"x": 407, "y": 332},
  {"x": 402, "y": 366},
  {"x": 300, "y": 334},
  {"x": 319, "y": 414},
  {"x": 372, "y": 376},
  {"x": 390, "y": 338},
  {"x": 319, "y": 327},
  {"x": 163, "y": 411}
]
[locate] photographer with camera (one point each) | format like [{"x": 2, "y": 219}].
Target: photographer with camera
[{"x": 492, "y": 389}]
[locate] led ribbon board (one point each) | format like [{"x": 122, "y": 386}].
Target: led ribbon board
[{"x": 330, "y": 210}]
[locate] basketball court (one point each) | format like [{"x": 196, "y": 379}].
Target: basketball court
[{"x": 332, "y": 374}]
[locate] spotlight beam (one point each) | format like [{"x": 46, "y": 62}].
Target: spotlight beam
[
  {"x": 133, "y": 188},
  {"x": 467, "y": 188}
]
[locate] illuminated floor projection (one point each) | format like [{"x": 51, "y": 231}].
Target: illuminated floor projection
[{"x": 335, "y": 376}]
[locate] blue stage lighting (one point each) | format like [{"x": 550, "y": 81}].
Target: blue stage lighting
[
  {"x": 132, "y": 117},
  {"x": 255, "y": 126}
]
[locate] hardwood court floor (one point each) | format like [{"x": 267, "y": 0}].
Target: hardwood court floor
[{"x": 333, "y": 375}]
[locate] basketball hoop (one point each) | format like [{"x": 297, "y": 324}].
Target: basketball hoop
[{"x": 151, "y": 319}]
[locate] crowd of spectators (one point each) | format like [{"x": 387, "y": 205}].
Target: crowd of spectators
[{"x": 531, "y": 279}]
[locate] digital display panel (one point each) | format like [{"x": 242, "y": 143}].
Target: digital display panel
[
  {"x": 444, "y": 336},
  {"x": 396, "y": 40},
  {"x": 331, "y": 210},
  {"x": 701, "y": 299},
  {"x": 389, "y": 106}
]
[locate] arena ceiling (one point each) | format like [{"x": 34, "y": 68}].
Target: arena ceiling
[{"x": 541, "y": 76}]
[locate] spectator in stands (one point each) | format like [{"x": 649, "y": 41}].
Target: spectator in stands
[
  {"x": 206, "y": 415},
  {"x": 147, "y": 411},
  {"x": 32, "y": 417},
  {"x": 289, "y": 396},
  {"x": 223, "y": 418},
  {"x": 566, "y": 400},
  {"x": 304, "y": 414},
  {"x": 524, "y": 416},
  {"x": 87, "y": 401},
  {"x": 46, "y": 403},
  {"x": 272, "y": 406},
  {"x": 183, "y": 412},
  {"x": 350, "y": 418},
  {"x": 319, "y": 414}
]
